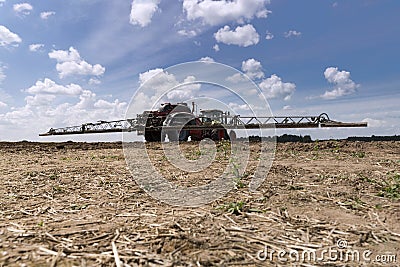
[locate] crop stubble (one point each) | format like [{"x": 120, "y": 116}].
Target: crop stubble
[{"x": 76, "y": 204}]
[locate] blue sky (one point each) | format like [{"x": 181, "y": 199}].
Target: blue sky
[{"x": 70, "y": 62}]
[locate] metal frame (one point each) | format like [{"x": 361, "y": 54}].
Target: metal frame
[{"x": 234, "y": 122}]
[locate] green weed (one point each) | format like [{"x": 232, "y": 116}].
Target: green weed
[
  {"x": 234, "y": 207},
  {"x": 391, "y": 187},
  {"x": 358, "y": 154}
]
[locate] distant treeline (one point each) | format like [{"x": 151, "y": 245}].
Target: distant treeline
[
  {"x": 280, "y": 139},
  {"x": 307, "y": 139},
  {"x": 374, "y": 138}
]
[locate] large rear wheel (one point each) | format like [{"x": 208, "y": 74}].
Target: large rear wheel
[
  {"x": 218, "y": 135},
  {"x": 152, "y": 136}
]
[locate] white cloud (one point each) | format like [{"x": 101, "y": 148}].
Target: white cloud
[
  {"x": 35, "y": 47},
  {"x": 47, "y": 14},
  {"x": 242, "y": 36},
  {"x": 237, "y": 107},
  {"x": 236, "y": 78},
  {"x": 292, "y": 33},
  {"x": 65, "y": 56},
  {"x": 23, "y": 8},
  {"x": 223, "y": 11},
  {"x": 342, "y": 81},
  {"x": 94, "y": 81},
  {"x": 50, "y": 87},
  {"x": 187, "y": 33},
  {"x": 375, "y": 123},
  {"x": 2, "y": 75},
  {"x": 287, "y": 107},
  {"x": 3, "y": 105},
  {"x": 39, "y": 100},
  {"x": 216, "y": 47},
  {"x": 2, "y": 2},
  {"x": 41, "y": 111},
  {"x": 86, "y": 100},
  {"x": 146, "y": 76},
  {"x": 273, "y": 87},
  {"x": 8, "y": 38},
  {"x": 269, "y": 36},
  {"x": 157, "y": 82},
  {"x": 142, "y": 11},
  {"x": 103, "y": 104},
  {"x": 253, "y": 69},
  {"x": 71, "y": 63},
  {"x": 207, "y": 59},
  {"x": 184, "y": 92}
]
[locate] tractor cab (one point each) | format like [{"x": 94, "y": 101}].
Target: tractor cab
[
  {"x": 167, "y": 108},
  {"x": 212, "y": 116}
]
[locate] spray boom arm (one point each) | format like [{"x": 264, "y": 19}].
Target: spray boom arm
[{"x": 228, "y": 122}]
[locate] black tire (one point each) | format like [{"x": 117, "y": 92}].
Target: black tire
[
  {"x": 173, "y": 136},
  {"x": 226, "y": 135},
  {"x": 183, "y": 135},
  {"x": 152, "y": 136},
  {"x": 148, "y": 136},
  {"x": 232, "y": 135},
  {"x": 214, "y": 135},
  {"x": 156, "y": 136}
]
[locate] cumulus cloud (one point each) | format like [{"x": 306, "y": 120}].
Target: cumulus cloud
[
  {"x": 23, "y": 8},
  {"x": 236, "y": 78},
  {"x": 142, "y": 11},
  {"x": 64, "y": 56},
  {"x": 184, "y": 92},
  {"x": 50, "y": 87},
  {"x": 237, "y": 107},
  {"x": 292, "y": 33},
  {"x": 47, "y": 14},
  {"x": 269, "y": 36},
  {"x": 242, "y": 36},
  {"x": 94, "y": 81},
  {"x": 3, "y": 105},
  {"x": 342, "y": 82},
  {"x": 273, "y": 87},
  {"x": 207, "y": 59},
  {"x": 374, "y": 123},
  {"x": 8, "y": 38},
  {"x": 2, "y": 2},
  {"x": 35, "y": 47},
  {"x": 216, "y": 47},
  {"x": 39, "y": 100},
  {"x": 148, "y": 75},
  {"x": 41, "y": 110},
  {"x": 70, "y": 63},
  {"x": 253, "y": 69},
  {"x": 103, "y": 104},
  {"x": 223, "y": 11},
  {"x": 157, "y": 82}
]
